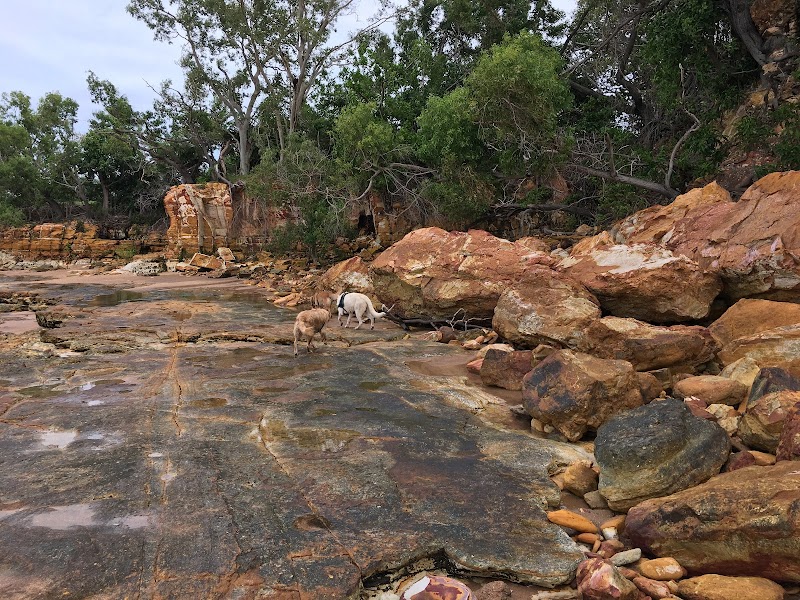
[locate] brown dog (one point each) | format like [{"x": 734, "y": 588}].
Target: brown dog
[
  {"x": 323, "y": 299},
  {"x": 308, "y": 323}
]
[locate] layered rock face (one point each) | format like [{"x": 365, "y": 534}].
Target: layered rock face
[
  {"x": 743, "y": 522},
  {"x": 200, "y": 218},
  {"x": 64, "y": 241},
  {"x": 433, "y": 273}
]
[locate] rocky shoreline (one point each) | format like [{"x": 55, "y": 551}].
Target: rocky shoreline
[{"x": 658, "y": 365}]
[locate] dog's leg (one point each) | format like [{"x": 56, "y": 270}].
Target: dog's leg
[
  {"x": 341, "y": 314},
  {"x": 310, "y": 345},
  {"x": 347, "y": 324},
  {"x": 295, "y": 343},
  {"x": 322, "y": 335}
]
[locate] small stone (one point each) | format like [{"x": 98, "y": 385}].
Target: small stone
[
  {"x": 580, "y": 478},
  {"x": 587, "y": 538},
  {"x": 626, "y": 557},
  {"x": 567, "y": 518},
  {"x": 617, "y": 522},
  {"x": 662, "y": 569},
  {"x": 609, "y": 548},
  {"x": 655, "y": 589},
  {"x": 495, "y": 590},
  {"x": 595, "y": 500},
  {"x": 434, "y": 587}
]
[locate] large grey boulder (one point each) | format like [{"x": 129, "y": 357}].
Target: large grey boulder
[{"x": 656, "y": 450}]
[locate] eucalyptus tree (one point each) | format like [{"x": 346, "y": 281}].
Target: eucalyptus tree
[{"x": 246, "y": 52}]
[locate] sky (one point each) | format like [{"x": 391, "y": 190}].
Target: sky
[{"x": 51, "y": 45}]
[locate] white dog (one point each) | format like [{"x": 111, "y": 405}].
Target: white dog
[
  {"x": 353, "y": 303},
  {"x": 308, "y": 323}
]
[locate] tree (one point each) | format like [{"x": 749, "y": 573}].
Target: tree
[
  {"x": 49, "y": 148},
  {"x": 248, "y": 51}
]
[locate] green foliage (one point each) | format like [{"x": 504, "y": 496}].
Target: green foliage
[
  {"x": 10, "y": 215},
  {"x": 363, "y": 139},
  {"x": 461, "y": 195},
  {"x": 518, "y": 96},
  {"x": 787, "y": 148},
  {"x": 618, "y": 200},
  {"x": 447, "y": 130},
  {"x": 752, "y": 132}
]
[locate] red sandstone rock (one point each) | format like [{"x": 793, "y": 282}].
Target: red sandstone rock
[
  {"x": 580, "y": 478},
  {"x": 648, "y": 347},
  {"x": 749, "y": 317},
  {"x": 576, "y": 392},
  {"x": 719, "y": 587},
  {"x": 505, "y": 369},
  {"x": 763, "y": 421},
  {"x": 546, "y": 308},
  {"x": 742, "y": 522},
  {"x": 711, "y": 389},
  {"x": 753, "y": 243},
  {"x": 431, "y": 272},
  {"x": 598, "y": 580},
  {"x": 200, "y": 218},
  {"x": 789, "y": 443},
  {"x": 67, "y": 242},
  {"x": 434, "y": 587},
  {"x": 778, "y": 347},
  {"x": 351, "y": 275},
  {"x": 642, "y": 281}
]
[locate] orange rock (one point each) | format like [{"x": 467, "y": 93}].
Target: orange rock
[
  {"x": 617, "y": 522},
  {"x": 587, "y": 538},
  {"x": 567, "y": 518},
  {"x": 661, "y": 569}
]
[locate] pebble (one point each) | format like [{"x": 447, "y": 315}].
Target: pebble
[{"x": 626, "y": 557}]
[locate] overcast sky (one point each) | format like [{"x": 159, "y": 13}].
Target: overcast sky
[{"x": 51, "y": 45}]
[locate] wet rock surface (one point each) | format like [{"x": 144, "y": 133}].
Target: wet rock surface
[{"x": 164, "y": 442}]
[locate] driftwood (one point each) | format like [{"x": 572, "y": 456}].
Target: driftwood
[{"x": 458, "y": 321}]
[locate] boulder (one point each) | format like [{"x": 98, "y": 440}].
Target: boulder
[
  {"x": 749, "y": 317},
  {"x": 580, "y": 478},
  {"x": 770, "y": 380},
  {"x": 711, "y": 389},
  {"x": 720, "y": 587},
  {"x": 656, "y": 224},
  {"x": 546, "y": 308},
  {"x": 762, "y": 423},
  {"x": 753, "y": 243},
  {"x": 351, "y": 275},
  {"x": 576, "y": 392},
  {"x": 742, "y": 522},
  {"x": 745, "y": 370},
  {"x": 655, "y": 450},
  {"x": 599, "y": 580},
  {"x": 433, "y": 273},
  {"x": 650, "y": 386},
  {"x": 778, "y": 347},
  {"x": 642, "y": 281},
  {"x": 505, "y": 369},
  {"x": 649, "y": 347},
  {"x": 200, "y": 217}
]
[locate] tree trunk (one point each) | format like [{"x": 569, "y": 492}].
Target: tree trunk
[
  {"x": 245, "y": 151},
  {"x": 742, "y": 23},
  {"x": 106, "y": 196}
]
